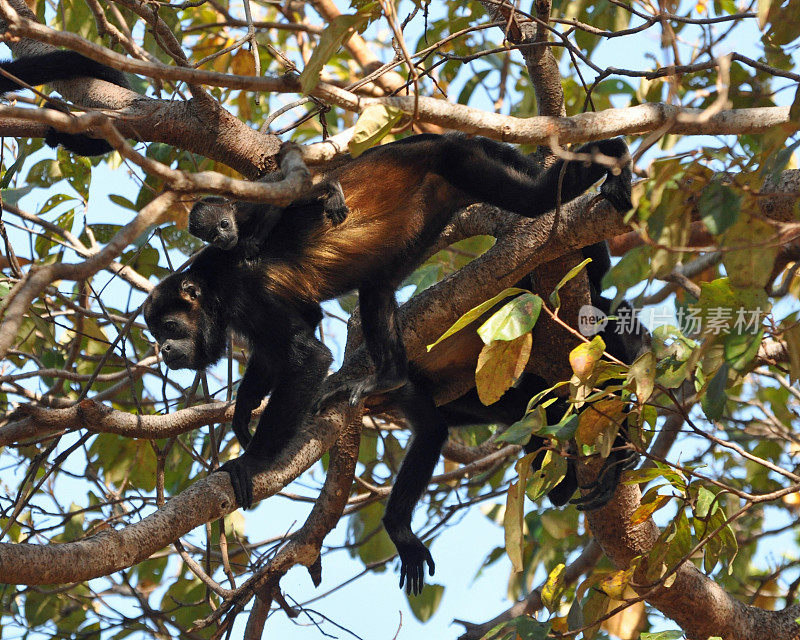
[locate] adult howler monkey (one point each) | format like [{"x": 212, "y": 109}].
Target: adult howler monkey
[
  {"x": 400, "y": 197},
  {"x": 61, "y": 65}
]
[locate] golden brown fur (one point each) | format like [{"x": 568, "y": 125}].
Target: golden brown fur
[{"x": 384, "y": 216}]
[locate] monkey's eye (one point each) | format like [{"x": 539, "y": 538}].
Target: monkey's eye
[
  {"x": 170, "y": 326},
  {"x": 224, "y": 223}
]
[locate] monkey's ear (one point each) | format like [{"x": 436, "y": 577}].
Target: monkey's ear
[{"x": 190, "y": 291}]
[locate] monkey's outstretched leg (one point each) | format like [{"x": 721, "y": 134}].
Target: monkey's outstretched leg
[
  {"x": 466, "y": 165},
  {"x": 430, "y": 433},
  {"x": 382, "y": 334}
]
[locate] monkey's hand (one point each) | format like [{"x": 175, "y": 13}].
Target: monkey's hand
[
  {"x": 617, "y": 189},
  {"x": 241, "y": 470},
  {"x": 335, "y": 211},
  {"x": 413, "y": 557}
]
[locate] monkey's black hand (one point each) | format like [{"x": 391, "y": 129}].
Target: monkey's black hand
[
  {"x": 241, "y": 471},
  {"x": 336, "y": 211},
  {"x": 413, "y": 557},
  {"x": 617, "y": 189}
]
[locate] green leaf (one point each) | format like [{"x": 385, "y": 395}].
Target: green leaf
[
  {"x": 77, "y": 170},
  {"x": 475, "y": 313},
  {"x": 552, "y": 471},
  {"x": 373, "y": 124},
  {"x": 12, "y": 196},
  {"x": 748, "y": 266},
  {"x": 366, "y": 533},
  {"x": 741, "y": 349},
  {"x": 122, "y": 201},
  {"x": 520, "y": 432},
  {"x": 425, "y": 604},
  {"x": 632, "y": 268},
  {"x": 713, "y": 401},
  {"x": 12, "y": 170},
  {"x": 40, "y": 608},
  {"x": 500, "y": 364},
  {"x": 426, "y": 276},
  {"x": 555, "y": 299},
  {"x": 563, "y": 431},
  {"x": 704, "y": 501},
  {"x": 334, "y": 36},
  {"x": 512, "y": 320},
  {"x": 643, "y": 374},
  {"x": 719, "y": 207}
]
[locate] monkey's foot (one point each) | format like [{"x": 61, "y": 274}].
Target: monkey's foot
[
  {"x": 362, "y": 389},
  {"x": 375, "y": 386},
  {"x": 413, "y": 557},
  {"x": 603, "y": 489},
  {"x": 617, "y": 190},
  {"x": 241, "y": 471}
]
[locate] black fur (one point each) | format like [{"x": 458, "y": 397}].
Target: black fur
[
  {"x": 224, "y": 223},
  {"x": 400, "y": 198},
  {"x": 61, "y": 65}
]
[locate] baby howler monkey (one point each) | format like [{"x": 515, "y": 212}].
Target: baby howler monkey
[
  {"x": 223, "y": 222},
  {"x": 400, "y": 197},
  {"x": 61, "y": 65}
]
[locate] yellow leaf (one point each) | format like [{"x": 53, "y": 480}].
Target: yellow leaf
[
  {"x": 513, "y": 516},
  {"x": 598, "y": 418},
  {"x": 585, "y": 356},
  {"x": 614, "y": 585},
  {"x": 628, "y": 623},
  {"x": 500, "y": 364},
  {"x": 644, "y": 511},
  {"x": 373, "y": 124},
  {"x": 242, "y": 64}
]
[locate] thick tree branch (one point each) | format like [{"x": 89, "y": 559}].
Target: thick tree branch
[
  {"x": 698, "y": 604},
  {"x": 538, "y": 130}
]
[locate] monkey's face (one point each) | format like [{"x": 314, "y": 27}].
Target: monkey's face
[
  {"x": 188, "y": 334},
  {"x": 214, "y": 220}
]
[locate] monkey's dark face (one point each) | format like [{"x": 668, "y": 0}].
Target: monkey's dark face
[
  {"x": 188, "y": 333},
  {"x": 213, "y": 219}
]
